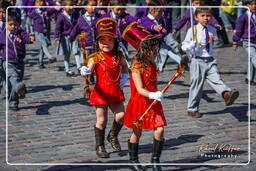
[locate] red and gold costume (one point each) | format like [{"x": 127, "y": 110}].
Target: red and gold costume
[
  {"x": 138, "y": 104},
  {"x": 108, "y": 72}
]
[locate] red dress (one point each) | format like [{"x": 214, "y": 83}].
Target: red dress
[
  {"x": 138, "y": 104},
  {"x": 108, "y": 71}
]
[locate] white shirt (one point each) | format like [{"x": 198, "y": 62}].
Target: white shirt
[
  {"x": 200, "y": 50},
  {"x": 89, "y": 18},
  {"x": 151, "y": 17}
]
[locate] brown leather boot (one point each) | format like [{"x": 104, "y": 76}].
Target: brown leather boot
[
  {"x": 230, "y": 96},
  {"x": 100, "y": 147},
  {"x": 112, "y": 136}
]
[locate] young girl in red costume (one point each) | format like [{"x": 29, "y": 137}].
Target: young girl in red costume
[
  {"x": 111, "y": 73},
  {"x": 143, "y": 80}
]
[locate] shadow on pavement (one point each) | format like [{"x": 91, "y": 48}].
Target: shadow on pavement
[
  {"x": 35, "y": 89},
  {"x": 43, "y": 109},
  {"x": 239, "y": 112}
]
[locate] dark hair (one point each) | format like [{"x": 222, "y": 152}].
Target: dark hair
[
  {"x": 246, "y": 2},
  {"x": 144, "y": 49},
  {"x": 14, "y": 16},
  {"x": 117, "y": 3},
  {"x": 157, "y": 3},
  {"x": 200, "y": 10},
  {"x": 4, "y": 4},
  {"x": 114, "y": 51}
]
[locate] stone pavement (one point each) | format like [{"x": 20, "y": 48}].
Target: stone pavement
[{"x": 55, "y": 123}]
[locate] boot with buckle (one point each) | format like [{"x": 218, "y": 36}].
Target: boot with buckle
[
  {"x": 100, "y": 146},
  {"x": 112, "y": 136}
]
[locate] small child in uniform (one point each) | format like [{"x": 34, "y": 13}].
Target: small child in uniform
[
  {"x": 17, "y": 38},
  {"x": 111, "y": 73},
  {"x": 203, "y": 65},
  {"x": 242, "y": 24}
]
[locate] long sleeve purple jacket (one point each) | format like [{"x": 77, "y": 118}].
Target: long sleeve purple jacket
[
  {"x": 16, "y": 47},
  {"x": 242, "y": 26},
  {"x": 83, "y": 26},
  {"x": 64, "y": 25},
  {"x": 42, "y": 23}
]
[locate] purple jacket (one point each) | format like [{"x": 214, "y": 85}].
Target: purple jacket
[
  {"x": 186, "y": 19},
  {"x": 148, "y": 24},
  {"x": 64, "y": 25},
  {"x": 242, "y": 24},
  {"x": 83, "y": 26},
  {"x": 141, "y": 12},
  {"x": 16, "y": 47},
  {"x": 42, "y": 22},
  {"x": 28, "y": 3}
]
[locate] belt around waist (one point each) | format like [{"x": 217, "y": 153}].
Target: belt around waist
[{"x": 205, "y": 59}]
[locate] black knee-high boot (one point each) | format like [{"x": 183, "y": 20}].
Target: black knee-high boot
[
  {"x": 134, "y": 159},
  {"x": 156, "y": 153}
]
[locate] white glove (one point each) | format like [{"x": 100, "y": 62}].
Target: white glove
[
  {"x": 85, "y": 71},
  {"x": 158, "y": 95},
  {"x": 124, "y": 78},
  {"x": 188, "y": 46}
]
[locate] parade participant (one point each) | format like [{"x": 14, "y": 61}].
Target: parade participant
[
  {"x": 186, "y": 18},
  {"x": 155, "y": 24},
  {"x": 42, "y": 30},
  {"x": 111, "y": 73},
  {"x": 17, "y": 38},
  {"x": 3, "y": 6},
  {"x": 203, "y": 65},
  {"x": 64, "y": 24},
  {"x": 143, "y": 81},
  {"x": 242, "y": 24},
  {"x": 85, "y": 25}
]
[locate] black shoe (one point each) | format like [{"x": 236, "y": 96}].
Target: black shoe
[
  {"x": 41, "y": 66},
  {"x": 251, "y": 82},
  {"x": 52, "y": 60},
  {"x": 70, "y": 74},
  {"x": 13, "y": 107},
  {"x": 78, "y": 71}
]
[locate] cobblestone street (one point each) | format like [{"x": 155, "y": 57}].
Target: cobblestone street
[{"x": 55, "y": 123}]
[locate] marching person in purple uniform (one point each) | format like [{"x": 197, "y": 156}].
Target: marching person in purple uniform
[
  {"x": 156, "y": 24},
  {"x": 242, "y": 24},
  {"x": 203, "y": 67},
  {"x": 85, "y": 24},
  {"x": 3, "y": 6},
  {"x": 186, "y": 18},
  {"x": 42, "y": 30},
  {"x": 64, "y": 24},
  {"x": 14, "y": 53}
]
